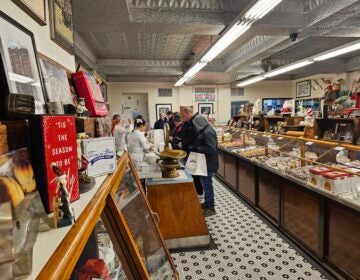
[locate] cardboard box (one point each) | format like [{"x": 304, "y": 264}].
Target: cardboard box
[
  {"x": 101, "y": 154},
  {"x": 337, "y": 182},
  {"x": 86, "y": 125},
  {"x": 18, "y": 135},
  {"x": 316, "y": 179},
  {"x": 53, "y": 142}
]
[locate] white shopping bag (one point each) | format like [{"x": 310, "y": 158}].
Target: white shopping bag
[{"x": 196, "y": 164}]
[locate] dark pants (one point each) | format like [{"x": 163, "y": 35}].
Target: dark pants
[
  {"x": 207, "y": 184},
  {"x": 198, "y": 185}
]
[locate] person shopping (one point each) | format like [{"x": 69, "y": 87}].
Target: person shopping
[
  {"x": 175, "y": 137},
  {"x": 120, "y": 132},
  {"x": 159, "y": 124},
  {"x": 206, "y": 143},
  {"x": 137, "y": 143}
]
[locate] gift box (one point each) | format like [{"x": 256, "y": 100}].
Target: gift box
[
  {"x": 103, "y": 127},
  {"x": 85, "y": 125},
  {"x": 53, "y": 145},
  {"x": 316, "y": 179},
  {"x": 101, "y": 155},
  {"x": 17, "y": 134},
  {"x": 337, "y": 182},
  {"x": 88, "y": 88}
]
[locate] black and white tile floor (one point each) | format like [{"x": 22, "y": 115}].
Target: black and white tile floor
[{"x": 247, "y": 248}]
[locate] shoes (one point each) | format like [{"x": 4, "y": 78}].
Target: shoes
[
  {"x": 201, "y": 198},
  {"x": 209, "y": 212}
]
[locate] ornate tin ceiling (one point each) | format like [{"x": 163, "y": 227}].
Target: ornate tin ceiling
[{"x": 157, "y": 40}]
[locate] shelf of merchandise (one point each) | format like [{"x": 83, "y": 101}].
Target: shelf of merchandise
[
  {"x": 324, "y": 225},
  {"x": 56, "y": 252}
]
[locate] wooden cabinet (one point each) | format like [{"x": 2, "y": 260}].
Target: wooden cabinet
[
  {"x": 247, "y": 179},
  {"x": 122, "y": 206},
  {"x": 221, "y": 170},
  {"x": 230, "y": 169}
]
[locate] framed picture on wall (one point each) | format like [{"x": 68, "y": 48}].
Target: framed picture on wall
[
  {"x": 162, "y": 108},
  {"x": 34, "y": 8},
  {"x": 61, "y": 23},
  {"x": 19, "y": 69},
  {"x": 303, "y": 89},
  {"x": 206, "y": 108}
]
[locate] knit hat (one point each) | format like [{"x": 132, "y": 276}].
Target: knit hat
[
  {"x": 177, "y": 118},
  {"x": 200, "y": 121}
]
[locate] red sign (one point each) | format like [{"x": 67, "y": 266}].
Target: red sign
[{"x": 59, "y": 138}]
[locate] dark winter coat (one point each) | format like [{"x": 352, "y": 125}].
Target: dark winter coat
[
  {"x": 206, "y": 143},
  {"x": 188, "y": 135},
  {"x": 159, "y": 124},
  {"x": 176, "y": 135}
]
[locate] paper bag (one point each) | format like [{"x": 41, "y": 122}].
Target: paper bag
[{"x": 196, "y": 164}]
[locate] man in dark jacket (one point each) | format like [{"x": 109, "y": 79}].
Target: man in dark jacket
[
  {"x": 206, "y": 143},
  {"x": 170, "y": 117},
  {"x": 188, "y": 134},
  {"x": 175, "y": 137},
  {"x": 159, "y": 124}
]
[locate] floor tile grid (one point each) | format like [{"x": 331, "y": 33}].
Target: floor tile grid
[{"x": 247, "y": 247}]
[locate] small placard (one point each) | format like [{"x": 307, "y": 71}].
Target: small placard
[{"x": 309, "y": 143}]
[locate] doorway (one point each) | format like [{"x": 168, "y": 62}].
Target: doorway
[{"x": 135, "y": 104}]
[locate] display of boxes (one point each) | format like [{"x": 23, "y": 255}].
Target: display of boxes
[
  {"x": 101, "y": 155},
  {"x": 316, "y": 179},
  {"x": 53, "y": 145},
  {"x": 88, "y": 88},
  {"x": 86, "y": 125},
  {"x": 337, "y": 182}
]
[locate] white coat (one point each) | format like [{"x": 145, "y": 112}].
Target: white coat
[
  {"x": 120, "y": 133},
  {"x": 137, "y": 145}
]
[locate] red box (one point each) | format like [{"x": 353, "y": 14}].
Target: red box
[
  {"x": 53, "y": 141},
  {"x": 88, "y": 88}
]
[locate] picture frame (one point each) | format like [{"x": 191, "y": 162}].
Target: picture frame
[
  {"x": 56, "y": 82},
  {"x": 162, "y": 108},
  {"x": 206, "y": 108},
  {"x": 303, "y": 89},
  {"x": 19, "y": 66},
  {"x": 36, "y": 9},
  {"x": 61, "y": 24}
]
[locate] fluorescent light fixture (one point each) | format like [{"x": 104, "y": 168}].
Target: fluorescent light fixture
[
  {"x": 260, "y": 9},
  {"x": 257, "y": 11},
  {"x": 338, "y": 51},
  {"x": 181, "y": 81},
  {"x": 226, "y": 40},
  {"x": 251, "y": 81},
  {"x": 288, "y": 68},
  {"x": 19, "y": 78}
]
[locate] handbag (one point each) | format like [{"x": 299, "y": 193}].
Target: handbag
[{"x": 196, "y": 164}]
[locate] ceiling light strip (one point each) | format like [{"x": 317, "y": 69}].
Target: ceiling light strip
[
  {"x": 338, "y": 51},
  {"x": 257, "y": 11},
  {"x": 288, "y": 68},
  {"x": 251, "y": 81}
]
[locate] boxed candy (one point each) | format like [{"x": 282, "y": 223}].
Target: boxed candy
[
  {"x": 316, "y": 179},
  {"x": 337, "y": 182}
]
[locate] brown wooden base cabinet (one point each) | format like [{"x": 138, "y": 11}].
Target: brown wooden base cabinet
[
  {"x": 246, "y": 182},
  {"x": 221, "y": 170},
  {"x": 230, "y": 169},
  {"x": 269, "y": 194}
]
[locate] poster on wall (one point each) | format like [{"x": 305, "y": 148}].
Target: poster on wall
[
  {"x": 206, "y": 94},
  {"x": 61, "y": 23},
  {"x": 20, "y": 69},
  {"x": 206, "y": 108},
  {"x": 303, "y": 89},
  {"x": 34, "y": 8}
]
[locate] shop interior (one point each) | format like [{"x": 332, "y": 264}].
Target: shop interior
[{"x": 204, "y": 139}]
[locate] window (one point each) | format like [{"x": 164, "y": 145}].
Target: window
[
  {"x": 237, "y": 92},
  {"x": 165, "y": 92}
]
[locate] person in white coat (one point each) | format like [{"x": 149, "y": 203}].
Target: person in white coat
[
  {"x": 137, "y": 142},
  {"x": 121, "y": 129}
]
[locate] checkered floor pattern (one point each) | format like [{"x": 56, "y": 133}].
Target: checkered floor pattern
[{"x": 247, "y": 248}]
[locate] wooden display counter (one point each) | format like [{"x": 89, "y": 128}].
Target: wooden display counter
[
  {"x": 181, "y": 220},
  {"x": 325, "y": 226}
]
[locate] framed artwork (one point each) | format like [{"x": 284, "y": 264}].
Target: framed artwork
[
  {"x": 303, "y": 89},
  {"x": 61, "y": 23},
  {"x": 206, "y": 108},
  {"x": 56, "y": 82},
  {"x": 19, "y": 69},
  {"x": 34, "y": 8},
  {"x": 162, "y": 108}
]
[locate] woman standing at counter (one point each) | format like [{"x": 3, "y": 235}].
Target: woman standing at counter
[{"x": 137, "y": 143}]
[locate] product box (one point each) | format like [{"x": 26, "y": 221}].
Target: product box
[
  {"x": 337, "y": 182},
  {"x": 53, "y": 145},
  {"x": 18, "y": 135},
  {"x": 101, "y": 155},
  {"x": 88, "y": 88},
  {"x": 316, "y": 179},
  {"x": 85, "y": 125}
]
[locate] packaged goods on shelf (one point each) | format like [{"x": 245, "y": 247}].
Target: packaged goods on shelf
[
  {"x": 316, "y": 179},
  {"x": 337, "y": 182},
  {"x": 301, "y": 173}
]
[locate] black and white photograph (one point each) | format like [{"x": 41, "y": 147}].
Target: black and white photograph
[
  {"x": 206, "y": 108},
  {"x": 303, "y": 89},
  {"x": 162, "y": 108},
  {"x": 19, "y": 59}
]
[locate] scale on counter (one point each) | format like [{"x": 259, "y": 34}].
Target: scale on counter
[{"x": 169, "y": 159}]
